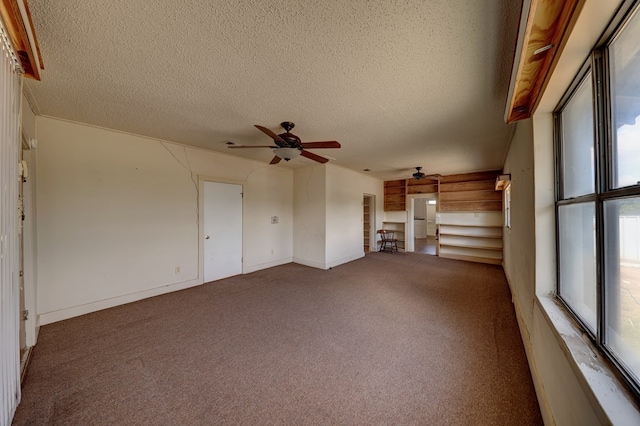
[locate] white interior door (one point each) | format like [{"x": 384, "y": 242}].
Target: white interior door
[{"x": 222, "y": 230}]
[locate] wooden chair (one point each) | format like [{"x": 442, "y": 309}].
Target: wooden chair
[{"x": 388, "y": 241}]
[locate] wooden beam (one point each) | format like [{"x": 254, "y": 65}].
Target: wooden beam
[
  {"x": 19, "y": 31},
  {"x": 479, "y": 185},
  {"x": 548, "y": 25},
  {"x": 466, "y": 177}
]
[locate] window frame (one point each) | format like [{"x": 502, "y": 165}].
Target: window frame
[{"x": 598, "y": 65}]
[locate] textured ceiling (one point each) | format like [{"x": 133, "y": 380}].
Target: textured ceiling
[{"x": 400, "y": 83}]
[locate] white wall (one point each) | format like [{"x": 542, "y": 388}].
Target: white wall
[
  {"x": 117, "y": 213},
  {"x": 345, "y": 228},
  {"x": 310, "y": 216},
  {"x": 28, "y": 122},
  {"x": 328, "y": 214},
  {"x": 519, "y": 241}
]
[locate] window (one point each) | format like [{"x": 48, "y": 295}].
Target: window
[{"x": 598, "y": 197}]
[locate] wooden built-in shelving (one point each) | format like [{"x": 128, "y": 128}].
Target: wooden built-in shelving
[
  {"x": 399, "y": 229},
  {"x": 395, "y": 195},
  {"x": 469, "y": 211},
  {"x": 422, "y": 186},
  {"x": 366, "y": 222}
]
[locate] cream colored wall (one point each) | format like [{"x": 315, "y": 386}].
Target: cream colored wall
[
  {"x": 28, "y": 123},
  {"x": 117, "y": 213},
  {"x": 309, "y": 212},
  {"x": 344, "y": 217},
  {"x": 519, "y": 241},
  {"x": 28, "y": 119},
  {"x": 328, "y": 227}
]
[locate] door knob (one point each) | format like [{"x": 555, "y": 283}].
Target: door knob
[{"x": 206, "y": 237}]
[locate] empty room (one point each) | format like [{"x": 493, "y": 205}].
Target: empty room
[{"x": 288, "y": 212}]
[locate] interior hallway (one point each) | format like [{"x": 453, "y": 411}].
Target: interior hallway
[{"x": 426, "y": 245}]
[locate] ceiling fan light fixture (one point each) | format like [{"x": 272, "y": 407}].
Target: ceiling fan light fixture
[
  {"x": 419, "y": 175},
  {"x": 286, "y": 153}
]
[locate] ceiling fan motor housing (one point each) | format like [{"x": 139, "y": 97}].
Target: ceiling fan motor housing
[{"x": 292, "y": 140}]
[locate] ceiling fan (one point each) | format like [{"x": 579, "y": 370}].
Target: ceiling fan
[
  {"x": 288, "y": 146},
  {"x": 419, "y": 175}
]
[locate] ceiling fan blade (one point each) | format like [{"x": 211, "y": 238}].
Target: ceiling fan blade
[
  {"x": 324, "y": 144},
  {"x": 270, "y": 134},
  {"x": 275, "y": 160},
  {"x": 314, "y": 157},
  {"x": 252, "y": 146}
]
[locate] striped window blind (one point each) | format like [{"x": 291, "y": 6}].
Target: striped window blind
[{"x": 10, "y": 71}]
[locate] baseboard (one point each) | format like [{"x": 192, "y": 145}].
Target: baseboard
[
  {"x": 327, "y": 265},
  {"x": 344, "y": 260},
  {"x": 24, "y": 363},
  {"x": 543, "y": 402},
  {"x": 260, "y": 266},
  {"x": 75, "y": 311},
  {"x": 311, "y": 263}
]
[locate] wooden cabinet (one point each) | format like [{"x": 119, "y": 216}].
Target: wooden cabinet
[{"x": 399, "y": 229}]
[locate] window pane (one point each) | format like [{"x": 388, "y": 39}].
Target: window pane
[
  {"x": 578, "y": 142},
  {"x": 625, "y": 92},
  {"x": 577, "y": 260},
  {"x": 622, "y": 289}
]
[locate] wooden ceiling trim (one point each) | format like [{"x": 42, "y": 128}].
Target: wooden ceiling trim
[
  {"x": 19, "y": 33},
  {"x": 548, "y": 25}
]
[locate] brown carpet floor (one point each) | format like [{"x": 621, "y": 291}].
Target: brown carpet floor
[{"x": 388, "y": 339}]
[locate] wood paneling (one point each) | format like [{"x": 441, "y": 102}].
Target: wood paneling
[
  {"x": 548, "y": 25},
  {"x": 391, "y": 183},
  {"x": 394, "y": 198},
  {"x": 411, "y": 182},
  {"x": 481, "y": 185},
  {"x": 422, "y": 189},
  {"x": 471, "y": 206},
  {"x": 394, "y": 190},
  {"x": 488, "y": 195},
  {"x": 395, "y": 195},
  {"x": 467, "y": 177}
]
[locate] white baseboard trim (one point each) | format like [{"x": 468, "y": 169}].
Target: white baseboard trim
[
  {"x": 344, "y": 260},
  {"x": 260, "y": 266},
  {"x": 327, "y": 265},
  {"x": 75, "y": 311},
  {"x": 312, "y": 263}
]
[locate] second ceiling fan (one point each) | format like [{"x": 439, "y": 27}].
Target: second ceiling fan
[{"x": 288, "y": 146}]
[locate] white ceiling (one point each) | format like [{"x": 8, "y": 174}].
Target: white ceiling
[{"x": 400, "y": 83}]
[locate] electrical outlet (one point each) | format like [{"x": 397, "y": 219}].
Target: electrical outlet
[{"x": 177, "y": 269}]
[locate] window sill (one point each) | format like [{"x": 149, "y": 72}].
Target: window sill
[{"x": 610, "y": 397}]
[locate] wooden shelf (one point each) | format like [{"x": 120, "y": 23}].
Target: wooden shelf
[
  {"x": 475, "y": 237},
  {"x": 395, "y": 195},
  {"x": 399, "y": 229},
  {"x": 422, "y": 186}
]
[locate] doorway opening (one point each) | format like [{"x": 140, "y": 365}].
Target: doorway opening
[
  {"x": 368, "y": 221},
  {"x": 425, "y": 235}
]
